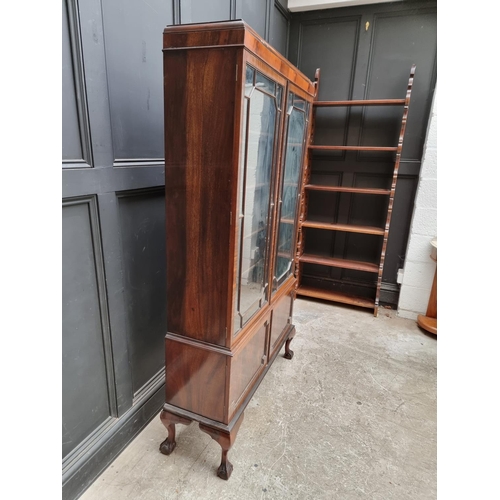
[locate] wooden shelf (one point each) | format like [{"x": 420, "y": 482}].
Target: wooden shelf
[
  {"x": 361, "y": 102},
  {"x": 342, "y": 263},
  {"x": 338, "y": 189},
  {"x": 344, "y": 227},
  {"x": 353, "y": 148},
  {"x": 316, "y": 293}
]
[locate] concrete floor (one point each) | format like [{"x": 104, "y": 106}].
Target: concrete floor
[{"x": 353, "y": 415}]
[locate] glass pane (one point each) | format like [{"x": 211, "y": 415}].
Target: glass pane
[
  {"x": 249, "y": 80},
  {"x": 265, "y": 84},
  {"x": 237, "y": 317},
  {"x": 289, "y": 194},
  {"x": 279, "y": 95},
  {"x": 299, "y": 103},
  {"x": 255, "y": 200}
]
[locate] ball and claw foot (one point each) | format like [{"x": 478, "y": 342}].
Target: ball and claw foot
[
  {"x": 225, "y": 469},
  {"x": 169, "y": 420},
  {"x": 225, "y": 440},
  {"x": 288, "y": 351},
  {"x": 167, "y": 446}
]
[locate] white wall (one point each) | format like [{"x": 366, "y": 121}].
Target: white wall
[{"x": 419, "y": 267}]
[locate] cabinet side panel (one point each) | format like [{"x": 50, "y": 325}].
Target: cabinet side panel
[
  {"x": 195, "y": 379},
  {"x": 199, "y": 121}
]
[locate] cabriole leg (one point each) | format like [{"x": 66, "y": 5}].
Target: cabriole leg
[
  {"x": 225, "y": 440},
  {"x": 288, "y": 351},
  {"x": 169, "y": 420}
]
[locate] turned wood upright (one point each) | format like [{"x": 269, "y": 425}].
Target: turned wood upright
[{"x": 236, "y": 116}]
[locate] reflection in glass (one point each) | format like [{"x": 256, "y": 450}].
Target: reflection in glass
[
  {"x": 265, "y": 84},
  {"x": 239, "y": 222},
  {"x": 249, "y": 80},
  {"x": 296, "y": 127},
  {"x": 260, "y": 114},
  {"x": 299, "y": 103}
]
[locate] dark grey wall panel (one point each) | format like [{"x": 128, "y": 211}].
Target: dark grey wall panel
[
  {"x": 102, "y": 408},
  {"x": 76, "y": 146},
  {"x": 88, "y": 24},
  {"x": 269, "y": 18},
  {"x": 142, "y": 221},
  {"x": 86, "y": 400},
  {"x": 279, "y": 29},
  {"x": 109, "y": 180},
  {"x": 330, "y": 44},
  {"x": 71, "y": 142},
  {"x": 114, "y": 254},
  {"x": 134, "y": 68},
  {"x": 255, "y": 14},
  {"x": 201, "y": 11},
  {"x": 110, "y": 444},
  {"x": 400, "y": 226},
  {"x": 416, "y": 36}
]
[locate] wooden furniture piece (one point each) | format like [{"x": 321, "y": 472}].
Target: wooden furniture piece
[
  {"x": 429, "y": 321},
  {"x": 236, "y": 116},
  {"x": 375, "y": 267}
]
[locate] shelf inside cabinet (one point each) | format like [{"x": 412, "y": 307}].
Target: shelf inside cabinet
[
  {"x": 342, "y": 263},
  {"x": 339, "y": 189},
  {"x": 335, "y": 297},
  {"x": 349, "y": 228},
  {"x": 352, "y": 148},
  {"x": 361, "y": 102}
]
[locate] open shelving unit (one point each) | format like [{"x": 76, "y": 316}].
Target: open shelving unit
[{"x": 303, "y": 256}]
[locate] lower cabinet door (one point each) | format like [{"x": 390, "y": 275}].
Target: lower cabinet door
[
  {"x": 247, "y": 364},
  {"x": 281, "y": 319}
]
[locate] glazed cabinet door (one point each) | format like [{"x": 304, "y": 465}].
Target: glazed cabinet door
[
  {"x": 260, "y": 132},
  {"x": 297, "y": 113}
]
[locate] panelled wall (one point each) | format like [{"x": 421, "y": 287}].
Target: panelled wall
[
  {"x": 365, "y": 53},
  {"x": 113, "y": 209}
]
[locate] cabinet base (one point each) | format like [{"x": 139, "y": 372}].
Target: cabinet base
[{"x": 224, "y": 435}]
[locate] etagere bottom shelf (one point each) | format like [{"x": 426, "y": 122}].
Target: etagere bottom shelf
[{"x": 344, "y": 298}]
